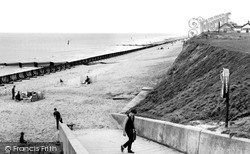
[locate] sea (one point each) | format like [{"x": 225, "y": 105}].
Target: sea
[{"x": 46, "y": 47}]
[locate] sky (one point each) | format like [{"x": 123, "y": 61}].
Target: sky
[{"x": 112, "y": 16}]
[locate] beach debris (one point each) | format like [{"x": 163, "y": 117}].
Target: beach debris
[
  {"x": 161, "y": 48},
  {"x": 6, "y": 112},
  {"x": 70, "y": 126},
  {"x": 31, "y": 96},
  {"x": 119, "y": 98}
]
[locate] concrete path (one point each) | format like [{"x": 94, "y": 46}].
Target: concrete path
[{"x": 108, "y": 141}]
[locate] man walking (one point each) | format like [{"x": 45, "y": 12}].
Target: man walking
[
  {"x": 13, "y": 92},
  {"x": 58, "y": 118},
  {"x": 129, "y": 129}
]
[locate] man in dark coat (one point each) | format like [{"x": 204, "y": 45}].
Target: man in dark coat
[
  {"x": 13, "y": 92},
  {"x": 129, "y": 129},
  {"x": 22, "y": 140},
  {"x": 58, "y": 118}
]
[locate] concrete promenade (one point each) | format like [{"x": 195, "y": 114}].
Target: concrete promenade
[{"x": 108, "y": 141}]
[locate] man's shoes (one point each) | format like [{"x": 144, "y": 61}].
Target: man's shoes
[
  {"x": 122, "y": 148},
  {"x": 130, "y": 151}
]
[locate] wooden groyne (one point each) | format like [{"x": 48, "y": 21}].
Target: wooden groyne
[{"x": 44, "y": 68}]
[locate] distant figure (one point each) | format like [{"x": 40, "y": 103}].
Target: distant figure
[
  {"x": 58, "y": 118},
  {"x": 129, "y": 129},
  {"x": 87, "y": 81},
  {"x": 68, "y": 42},
  {"x": 61, "y": 81},
  {"x": 22, "y": 140},
  {"x": 13, "y": 92},
  {"x": 5, "y": 91},
  {"x": 18, "y": 96}
]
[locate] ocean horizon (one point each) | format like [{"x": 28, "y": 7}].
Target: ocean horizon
[{"x": 44, "y": 47}]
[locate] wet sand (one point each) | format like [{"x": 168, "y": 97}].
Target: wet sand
[{"x": 87, "y": 106}]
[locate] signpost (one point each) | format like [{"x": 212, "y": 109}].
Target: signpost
[{"x": 225, "y": 91}]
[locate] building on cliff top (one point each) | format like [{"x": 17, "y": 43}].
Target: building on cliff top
[{"x": 230, "y": 27}]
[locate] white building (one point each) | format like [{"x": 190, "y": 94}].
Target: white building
[
  {"x": 229, "y": 27},
  {"x": 245, "y": 28}
]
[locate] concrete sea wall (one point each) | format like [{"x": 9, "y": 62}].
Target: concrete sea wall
[
  {"x": 187, "y": 139},
  {"x": 71, "y": 145}
]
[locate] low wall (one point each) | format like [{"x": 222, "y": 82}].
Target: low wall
[
  {"x": 187, "y": 139},
  {"x": 222, "y": 144},
  {"x": 71, "y": 145}
]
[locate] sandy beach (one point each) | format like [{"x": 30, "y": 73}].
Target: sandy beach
[{"x": 86, "y": 106}]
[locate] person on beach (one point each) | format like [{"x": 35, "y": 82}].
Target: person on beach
[
  {"x": 13, "y": 92},
  {"x": 22, "y": 140},
  {"x": 5, "y": 91},
  {"x": 58, "y": 118},
  {"x": 129, "y": 129},
  {"x": 61, "y": 81},
  {"x": 87, "y": 81},
  {"x": 18, "y": 96}
]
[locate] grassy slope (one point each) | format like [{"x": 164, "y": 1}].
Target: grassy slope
[{"x": 191, "y": 88}]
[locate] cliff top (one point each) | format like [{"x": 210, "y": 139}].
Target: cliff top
[{"x": 190, "y": 91}]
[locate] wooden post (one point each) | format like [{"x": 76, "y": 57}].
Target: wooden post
[
  {"x": 227, "y": 109},
  {"x": 218, "y": 27},
  {"x": 20, "y": 65}
]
